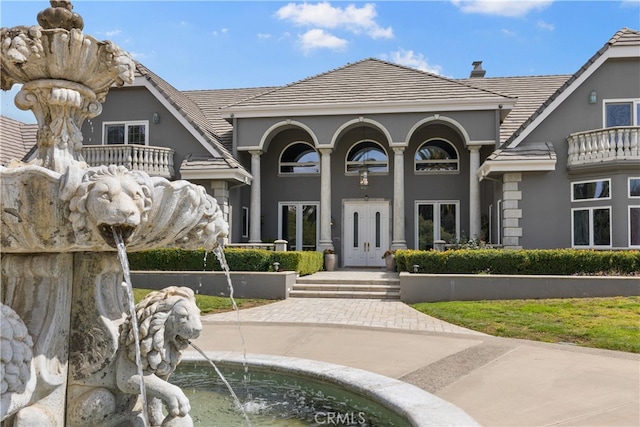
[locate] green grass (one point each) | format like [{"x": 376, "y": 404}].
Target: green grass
[
  {"x": 211, "y": 304},
  {"x": 609, "y": 323}
]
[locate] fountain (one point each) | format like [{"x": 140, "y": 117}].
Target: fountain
[
  {"x": 74, "y": 350},
  {"x": 67, "y": 358}
]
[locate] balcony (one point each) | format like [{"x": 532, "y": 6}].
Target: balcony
[
  {"x": 156, "y": 161},
  {"x": 604, "y": 145}
]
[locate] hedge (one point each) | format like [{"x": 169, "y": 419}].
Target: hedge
[
  {"x": 237, "y": 259},
  {"x": 523, "y": 262}
]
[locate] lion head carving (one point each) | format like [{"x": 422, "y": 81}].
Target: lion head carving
[
  {"x": 167, "y": 320},
  {"x": 107, "y": 197}
]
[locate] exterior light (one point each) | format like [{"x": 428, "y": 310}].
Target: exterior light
[
  {"x": 593, "y": 97},
  {"x": 155, "y": 118},
  {"x": 276, "y": 266},
  {"x": 364, "y": 177}
]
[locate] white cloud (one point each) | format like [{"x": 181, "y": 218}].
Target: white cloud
[
  {"x": 317, "y": 38},
  {"x": 508, "y": 33},
  {"x": 508, "y": 8},
  {"x": 545, "y": 26},
  {"x": 264, "y": 36},
  {"x": 113, "y": 33},
  {"x": 355, "y": 19},
  {"x": 411, "y": 59}
]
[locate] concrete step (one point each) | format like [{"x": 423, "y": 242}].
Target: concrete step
[
  {"x": 349, "y": 281},
  {"x": 336, "y": 290},
  {"x": 395, "y": 295}
]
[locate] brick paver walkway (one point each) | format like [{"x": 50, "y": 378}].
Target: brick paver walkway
[{"x": 350, "y": 312}]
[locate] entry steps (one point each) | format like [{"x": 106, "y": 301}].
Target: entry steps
[{"x": 350, "y": 286}]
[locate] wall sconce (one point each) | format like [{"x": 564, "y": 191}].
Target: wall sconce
[
  {"x": 156, "y": 118},
  {"x": 593, "y": 97},
  {"x": 364, "y": 178}
]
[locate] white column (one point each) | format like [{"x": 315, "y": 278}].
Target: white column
[
  {"x": 474, "y": 193},
  {"x": 255, "y": 232},
  {"x": 325, "y": 200},
  {"x": 398, "y": 238}
]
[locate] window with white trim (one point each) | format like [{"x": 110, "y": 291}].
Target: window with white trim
[
  {"x": 298, "y": 224},
  {"x": 625, "y": 112},
  {"x": 436, "y": 155},
  {"x": 591, "y": 190},
  {"x": 634, "y": 188},
  {"x": 591, "y": 227},
  {"x": 437, "y": 220},
  {"x": 299, "y": 158},
  {"x": 125, "y": 133},
  {"x": 634, "y": 226},
  {"x": 366, "y": 154}
]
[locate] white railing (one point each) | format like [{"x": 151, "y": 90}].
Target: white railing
[
  {"x": 600, "y": 145},
  {"x": 156, "y": 161}
]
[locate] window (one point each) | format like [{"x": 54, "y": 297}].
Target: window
[
  {"x": 622, "y": 113},
  {"x": 299, "y": 158},
  {"x": 591, "y": 227},
  {"x": 298, "y": 225},
  {"x": 591, "y": 190},
  {"x": 436, "y": 155},
  {"x": 437, "y": 220},
  {"x": 369, "y": 155},
  {"x": 634, "y": 188},
  {"x": 634, "y": 226},
  {"x": 126, "y": 133},
  {"x": 245, "y": 221}
]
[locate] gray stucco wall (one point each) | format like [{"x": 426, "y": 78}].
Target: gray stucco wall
[
  {"x": 546, "y": 197},
  {"x": 136, "y": 103}
]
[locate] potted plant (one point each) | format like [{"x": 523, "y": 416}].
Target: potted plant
[
  {"x": 390, "y": 259},
  {"x": 330, "y": 260}
]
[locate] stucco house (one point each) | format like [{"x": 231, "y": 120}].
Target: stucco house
[{"x": 375, "y": 156}]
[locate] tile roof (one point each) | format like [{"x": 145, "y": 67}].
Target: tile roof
[
  {"x": 370, "y": 81},
  {"x": 192, "y": 113},
  {"x": 210, "y": 102},
  {"x": 531, "y": 92},
  {"x": 16, "y": 139}
]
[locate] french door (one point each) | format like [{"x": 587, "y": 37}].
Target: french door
[
  {"x": 366, "y": 233},
  {"x": 298, "y": 225}
]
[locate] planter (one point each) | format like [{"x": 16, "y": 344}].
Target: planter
[
  {"x": 390, "y": 261},
  {"x": 330, "y": 262}
]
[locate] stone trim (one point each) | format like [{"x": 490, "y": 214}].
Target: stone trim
[{"x": 511, "y": 214}]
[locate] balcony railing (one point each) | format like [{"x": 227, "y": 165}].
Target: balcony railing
[
  {"x": 602, "y": 145},
  {"x": 156, "y": 161}
]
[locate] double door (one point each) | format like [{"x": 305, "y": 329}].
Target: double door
[{"x": 366, "y": 233}]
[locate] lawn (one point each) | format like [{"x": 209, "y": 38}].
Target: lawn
[
  {"x": 211, "y": 304},
  {"x": 609, "y": 323}
]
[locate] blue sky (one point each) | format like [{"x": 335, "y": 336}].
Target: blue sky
[{"x": 233, "y": 44}]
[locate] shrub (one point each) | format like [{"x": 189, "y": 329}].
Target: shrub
[{"x": 535, "y": 262}]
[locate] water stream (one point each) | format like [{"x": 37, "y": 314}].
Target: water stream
[
  {"x": 226, "y": 383},
  {"x": 124, "y": 261}
]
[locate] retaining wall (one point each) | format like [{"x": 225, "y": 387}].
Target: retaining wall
[
  {"x": 267, "y": 285},
  {"x": 416, "y": 288}
]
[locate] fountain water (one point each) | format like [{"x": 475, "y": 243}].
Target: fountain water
[{"x": 63, "y": 306}]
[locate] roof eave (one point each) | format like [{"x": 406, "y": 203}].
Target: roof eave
[
  {"x": 490, "y": 167},
  {"x": 207, "y": 173},
  {"x": 494, "y": 103}
]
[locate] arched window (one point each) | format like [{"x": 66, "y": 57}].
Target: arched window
[
  {"x": 299, "y": 158},
  {"x": 436, "y": 155},
  {"x": 369, "y": 155}
]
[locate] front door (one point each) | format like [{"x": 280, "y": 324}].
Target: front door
[{"x": 366, "y": 232}]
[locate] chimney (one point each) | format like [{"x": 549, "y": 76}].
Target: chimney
[{"x": 477, "y": 70}]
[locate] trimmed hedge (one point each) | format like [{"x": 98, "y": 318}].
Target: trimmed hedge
[
  {"x": 237, "y": 259},
  {"x": 562, "y": 262}
]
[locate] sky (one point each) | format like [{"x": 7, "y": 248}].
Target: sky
[{"x": 237, "y": 44}]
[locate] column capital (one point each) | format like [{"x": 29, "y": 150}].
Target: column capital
[
  {"x": 325, "y": 150},
  {"x": 399, "y": 150},
  {"x": 255, "y": 152},
  {"x": 474, "y": 148}
]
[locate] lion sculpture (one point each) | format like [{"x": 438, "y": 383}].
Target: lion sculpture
[
  {"x": 107, "y": 197},
  {"x": 167, "y": 320}
]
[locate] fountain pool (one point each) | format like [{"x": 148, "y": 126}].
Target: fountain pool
[{"x": 285, "y": 391}]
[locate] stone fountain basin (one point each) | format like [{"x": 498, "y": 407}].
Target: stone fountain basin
[{"x": 416, "y": 406}]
